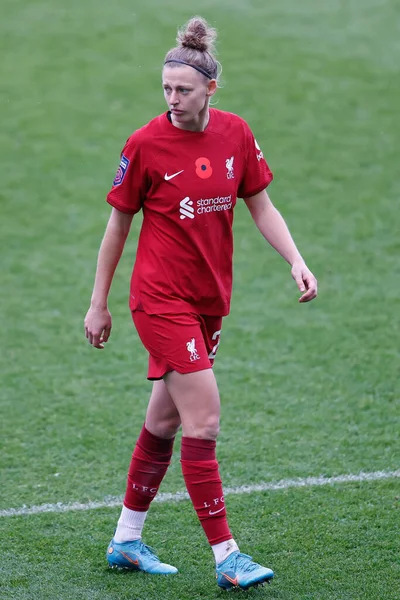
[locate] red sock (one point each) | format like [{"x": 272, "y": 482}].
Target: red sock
[
  {"x": 150, "y": 461},
  {"x": 200, "y": 471}
]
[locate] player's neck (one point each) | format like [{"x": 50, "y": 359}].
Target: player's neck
[{"x": 199, "y": 123}]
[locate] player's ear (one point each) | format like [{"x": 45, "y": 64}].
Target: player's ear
[{"x": 211, "y": 87}]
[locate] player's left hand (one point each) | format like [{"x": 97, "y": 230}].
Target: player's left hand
[{"x": 306, "y": 282}]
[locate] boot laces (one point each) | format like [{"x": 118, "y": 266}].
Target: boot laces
[
  {"x": 148, "y": 551},
  {"x": 244, "y": 563}
]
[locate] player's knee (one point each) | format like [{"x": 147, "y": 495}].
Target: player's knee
[
  {"x": 165, "y": 428},
  {"x": 209, "y": 430},
  {"x": 172, "y": 425}
]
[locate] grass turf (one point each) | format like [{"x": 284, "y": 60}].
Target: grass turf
[
  {"x": 308, "y": 390},
  {"x": 318, "y": 540}
]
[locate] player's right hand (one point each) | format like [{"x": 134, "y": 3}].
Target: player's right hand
[{"x": 98, "y": 325}]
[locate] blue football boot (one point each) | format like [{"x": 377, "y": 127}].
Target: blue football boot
[
  {"x": 238, "y": 570},
  {"x": 136, "y": 556}
]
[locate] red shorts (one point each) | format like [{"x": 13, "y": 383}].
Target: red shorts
[{"x": 184, "y": 342}]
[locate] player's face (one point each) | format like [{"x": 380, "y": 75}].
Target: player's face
[{"x": 186, "y": 92}]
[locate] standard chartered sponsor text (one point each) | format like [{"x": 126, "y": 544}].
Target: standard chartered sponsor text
[{"x": 207, "y": 205}]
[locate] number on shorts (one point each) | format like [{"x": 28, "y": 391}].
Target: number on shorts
[{"x": 213, "y": 352}]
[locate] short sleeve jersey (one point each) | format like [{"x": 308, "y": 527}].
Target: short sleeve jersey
[{"x": 186, "y": 183}]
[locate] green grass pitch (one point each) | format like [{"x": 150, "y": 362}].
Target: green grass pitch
[{"x": 307, "y": 391}]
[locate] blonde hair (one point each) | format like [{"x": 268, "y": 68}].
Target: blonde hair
[{"x": 195, "y": 47}]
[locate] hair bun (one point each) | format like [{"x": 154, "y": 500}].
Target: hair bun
[{"x": 197, "y": 35}]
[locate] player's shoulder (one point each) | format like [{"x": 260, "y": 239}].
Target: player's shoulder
[
  {"x": 225, "y": 116},
  {"x": 227, "y": 122},
  {"x": 144, "y": 135}
]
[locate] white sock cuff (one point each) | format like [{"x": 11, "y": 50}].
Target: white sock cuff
[
  {"x": 224, "y": 549},
  {"x": 130, "y": 525},
  {"x": 132, "y": 518}
]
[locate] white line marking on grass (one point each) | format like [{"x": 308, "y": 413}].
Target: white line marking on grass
[{"x": 284, "y": 484}]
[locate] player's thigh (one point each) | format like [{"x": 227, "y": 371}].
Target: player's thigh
[
  {"x": 196, "y": 398},
  {"x": 162, "y": 417},
  {"x": 179, "y": 346}
]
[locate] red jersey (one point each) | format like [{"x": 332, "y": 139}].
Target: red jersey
[{"x": 186, "y": 183}]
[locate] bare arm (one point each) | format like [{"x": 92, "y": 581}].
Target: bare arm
[
  {"x": 274, "y": 229},
  {"x": 98, "y": 318}
]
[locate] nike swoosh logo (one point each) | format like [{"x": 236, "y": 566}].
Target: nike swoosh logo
[
  {"x": 214, "y": 512},
  {"x": 233, "y": 581},
  {"x": 134, "y": 562},
  {"x": 168, "y": 177}
]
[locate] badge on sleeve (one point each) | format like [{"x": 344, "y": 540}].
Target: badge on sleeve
[
  {"x": 122, "y": 169},
  {"x": 260, "y": 154}
]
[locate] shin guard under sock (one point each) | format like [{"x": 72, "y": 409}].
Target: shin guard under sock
[
  {"x": 203, "y": 483},
  {"x": 150, "y": 460}
]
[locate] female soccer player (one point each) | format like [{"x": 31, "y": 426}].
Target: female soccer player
[{"x": 185, "y": 170}]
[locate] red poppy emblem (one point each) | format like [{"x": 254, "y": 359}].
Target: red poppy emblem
[{"x": 203, "y": 168}]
